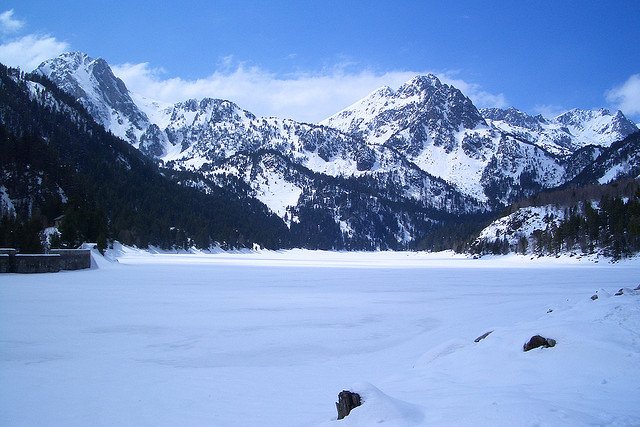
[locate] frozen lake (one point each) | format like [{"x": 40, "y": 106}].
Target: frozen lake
[{"x": 271, "y": 338}]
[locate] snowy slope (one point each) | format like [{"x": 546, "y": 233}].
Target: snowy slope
[
  {"x": 522, "y": 223},
  {"x": 500, "y": 385}
]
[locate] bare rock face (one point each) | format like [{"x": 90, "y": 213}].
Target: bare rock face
[
  {"x": 346, "y": 402},
  {"x": 539, "y": 341}
]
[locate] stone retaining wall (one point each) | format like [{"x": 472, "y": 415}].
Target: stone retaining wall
[
  {"x": 73, "y": 259},
  {"x": 36, "y": 263},
  {"x": 5, "y": 263},
  {"x": 56, "y": 260}
]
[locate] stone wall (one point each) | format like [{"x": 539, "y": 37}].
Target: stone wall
[
  {"x": 73, "y": 259},
  {"x": 56, "y": 260},
  {"x": 36, "y": 263},
  {"x": 5, "y": 263},
  {"x": 8, "y": 263}
]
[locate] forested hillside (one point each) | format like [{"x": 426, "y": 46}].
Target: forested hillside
[
  {"x": 56, "y": 161},
  {"x": 589, "y": 219}
]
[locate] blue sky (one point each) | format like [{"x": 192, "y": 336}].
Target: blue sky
[{"x": 309, "y": 59}]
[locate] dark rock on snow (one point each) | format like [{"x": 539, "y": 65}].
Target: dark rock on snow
[
  {"x": 346, "y": 402},
  {"x": 483, "y": 336},
  {"x": 539, "y": 341}
]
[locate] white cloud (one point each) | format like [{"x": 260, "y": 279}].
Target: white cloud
[
  {"x": 29, "y": 51},
  {"x": 26, "y": 52},
  {"x": 626, "y": 97},
  {"x": 303, "y": 97},
  {"x": 8, "y": 24}
]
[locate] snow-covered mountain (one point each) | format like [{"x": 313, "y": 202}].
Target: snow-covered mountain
[
  {"x": 208, "y": 135},
  {"x": 439, "y": 129},
  {"x": 212, "y": 130},
  {"x": 105, "y": 96},
  {"x": 565, "y": 133},
  {"x": 424, "y": 146},
  {"x": 441, "y": 110}
]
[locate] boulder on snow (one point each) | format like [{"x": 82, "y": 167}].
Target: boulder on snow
[
  {"x": 539, "y": 341},
  {"x": 346, "y": 402},
  {"x": 594, "y": 297},
  {"x": 620, "y": 292},
  {"x": 483, "y": 336}
]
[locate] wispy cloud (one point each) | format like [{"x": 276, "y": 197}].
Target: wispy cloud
[
  {"x": 9, "y": 24},
  {"x": 25, "y": 51},
  {"x": 308, "y": 97},
  {"x": 626, "y": 97},
  {"x": 29, "y": 51}
]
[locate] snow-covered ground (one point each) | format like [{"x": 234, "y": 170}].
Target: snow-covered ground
[{"x": 270, "y": 338}]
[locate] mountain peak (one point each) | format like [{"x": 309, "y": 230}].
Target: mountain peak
[
  {"x": 74, "y": 56},
  {"x": 422, "y": 111},
  {"x": 426, "y": 80},
  {"x": 600, "y": 119},
  {"x": 92, "y": 82},
  {"x": 420, "y": 85},
  {"x": 67, "y": 61},
  {"x": 383, "y": 92},
  {"x": 69, "y": 68}
]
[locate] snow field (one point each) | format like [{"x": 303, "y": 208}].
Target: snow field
[{"x": 270, "y": 338}]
